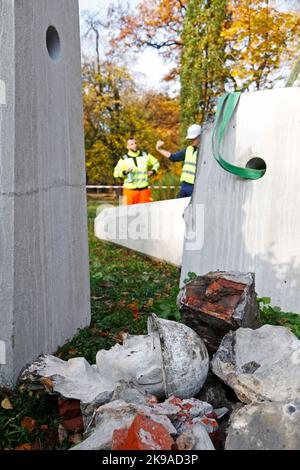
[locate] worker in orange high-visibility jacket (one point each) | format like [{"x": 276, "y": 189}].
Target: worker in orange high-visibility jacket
[{"x": 135, "y": 168}]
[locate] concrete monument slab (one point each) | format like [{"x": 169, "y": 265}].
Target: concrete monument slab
[{"x": 44, "y": 278}]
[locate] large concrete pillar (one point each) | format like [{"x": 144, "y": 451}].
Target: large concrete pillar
[{"x": 44, "y": 280}]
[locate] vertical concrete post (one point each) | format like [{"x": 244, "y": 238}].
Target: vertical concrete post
[{"x": 44, "y": 278}]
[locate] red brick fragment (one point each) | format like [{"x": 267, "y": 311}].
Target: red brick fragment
[
  {"x": 144, "y": 434},
  {"x": 119, "y": 439},
  {"x": 71, "y": 415}
]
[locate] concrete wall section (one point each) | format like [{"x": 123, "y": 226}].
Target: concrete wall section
[
  {"x": 155, "y": 229},
  {"x": 254, "y": 225},
  {"x": 7, "y": 142},
  {"x": 49, "y": 241}
]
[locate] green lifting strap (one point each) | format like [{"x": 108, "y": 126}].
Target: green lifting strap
[{"x": 226, "y": 106}]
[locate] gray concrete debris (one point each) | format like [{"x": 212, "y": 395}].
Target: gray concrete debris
[
  {"x": 171, "y": 359},
  {"x": 202, "y": 439},
  {"x": 219, "y": 302},
  {"x": 196, "y": 438},
  {"x": 261, "y": 364},
  {"x": 265, "y": 426},
  {"x": 177, "y": 416},
  {"x": 132, "y": 393},
  {"x": 117, "y": 415},
  {"x": 112, "y": 416}
]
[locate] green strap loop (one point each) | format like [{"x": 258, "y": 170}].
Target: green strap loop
[{"x": 227, "y": 105}]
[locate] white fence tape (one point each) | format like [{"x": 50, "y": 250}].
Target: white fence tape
[{"x": 122, "y": 187}]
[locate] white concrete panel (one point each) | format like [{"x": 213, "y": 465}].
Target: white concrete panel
[
  {"x": 253, "y": 225},
  {"x": 44, "y": 277},
  {"x": 155, "y": 229}
]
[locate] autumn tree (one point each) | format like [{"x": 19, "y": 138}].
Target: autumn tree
[
  {"x": 260, "y": 39},
  {"x": 114, "y": 111},
  {"x": 107, "y": 118},
  {"x": 155, "y": 23},
  {"x": 203, "y": 70}
]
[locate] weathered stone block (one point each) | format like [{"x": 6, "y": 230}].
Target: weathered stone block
[
  {"x": 260, "y": 365},
  {"x": 216, "y": 303},
  {"x": 265, "y": 426}
]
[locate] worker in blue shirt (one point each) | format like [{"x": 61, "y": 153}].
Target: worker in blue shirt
[{"x": 189, "y": 156}]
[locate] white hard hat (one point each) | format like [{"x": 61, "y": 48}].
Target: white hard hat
[{"x": 194, "y": 131}]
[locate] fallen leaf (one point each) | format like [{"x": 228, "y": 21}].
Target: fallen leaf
[
  {"x": 48, "y": 383},
  {"x": 73, "y": 351},
  {"x": 104, "y": 334},
  {"x": 149, "y": 303},
  {"x": 28, "y": 423},
  {"x": 119, "y": 337},
  {"x": 95, "y": 299},
  {"x": 24, "y": 447},
  {"x": 135, "y": 311},
  {"x": 6, "y": 404}
]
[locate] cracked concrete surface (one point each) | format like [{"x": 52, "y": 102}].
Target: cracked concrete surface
[{"x": 44, "y": 279}]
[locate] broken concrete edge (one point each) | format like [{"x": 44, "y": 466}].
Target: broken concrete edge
[
  {"x": 260, "y": 365},
  {"x": 175, "y": 415},
  {"x": 265, "y": 426}
]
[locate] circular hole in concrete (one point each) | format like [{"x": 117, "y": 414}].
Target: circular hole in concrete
[
  {"x": 256, "y": 164},
  {"x": 53, "y": 43}
]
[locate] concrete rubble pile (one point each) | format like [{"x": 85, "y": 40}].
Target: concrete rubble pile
[{"x": 156, "y": 392}]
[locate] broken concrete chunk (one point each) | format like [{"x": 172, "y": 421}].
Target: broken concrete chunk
[
  {"x": 132, "y": 393},
  {"x": 171, "y": 359},
  {"x": 74, "y": 379},
  {"x": 219, "y": 302},
  {"x": 261, "y": 364},
  {"x": 201, "y": 437},
  {"x": 265, "y": 426},
  {"x": 112, "y": 416},
  {"x": 115, "y": 416}
]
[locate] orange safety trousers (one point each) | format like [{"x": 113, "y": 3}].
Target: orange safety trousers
[{"x": 136, "y": 196}]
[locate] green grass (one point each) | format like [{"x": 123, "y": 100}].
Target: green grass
[{"x": 275, "y": 316}]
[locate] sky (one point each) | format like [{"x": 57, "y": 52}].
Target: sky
[{"x": 149, "y": 67}]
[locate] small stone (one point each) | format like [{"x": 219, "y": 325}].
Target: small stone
[
  {"x": 185, "y": 441},
  {"x": 265, "y": 426}
]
